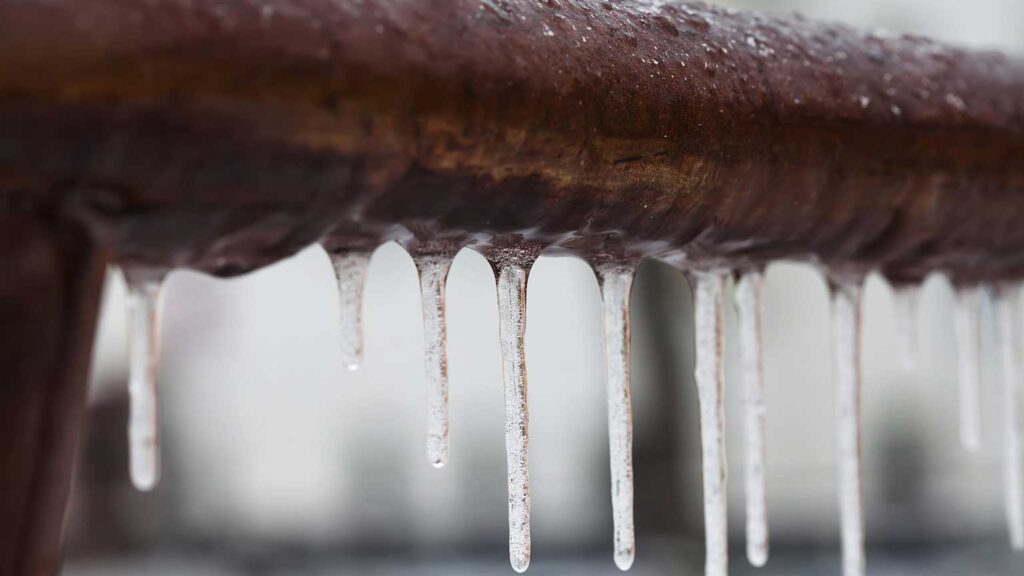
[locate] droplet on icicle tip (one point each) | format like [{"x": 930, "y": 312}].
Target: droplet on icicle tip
[
  {"x": 350, "y": 268},
  {"x": 433, "y": 271},
  {"x": 1007, "y": 322},
  {"x": 966, "y": 318},
  {"x": 709, "y": 294},
  {"x": 749, "y": 312},
  {"x": 512, "y": 265},
  {"x": 616, "y": 282},
  {"x": 144, "y": 289},
  {"x": 846, "y": 347}
]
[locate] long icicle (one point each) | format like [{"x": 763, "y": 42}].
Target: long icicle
[
  {"x": 966, "y": 317},
  {"x": 350, "y": 268},
  {"x": 846, "y": 329},
  {"x": 749, "y": 310},
  {"x": 616, "y": 282},
  {"x": 433, "y": 270},
  {"x": 1007, "y": 311},
  {"x": 144, "y": 292},
  {"x": 511, "y": 279},
  {"x": 905, "y": 301},
  {"x": 709, "y": 295}
]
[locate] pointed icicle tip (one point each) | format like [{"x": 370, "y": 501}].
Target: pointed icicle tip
[
  {"x": 350, "y": 269},
  {"x": 433, "y": 270},
  {"x": 144, "y": 295},
  {"x": 616, "y": 282}
]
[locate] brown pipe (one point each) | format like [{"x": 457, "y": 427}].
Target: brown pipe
[{"x": 226, "y": 135}]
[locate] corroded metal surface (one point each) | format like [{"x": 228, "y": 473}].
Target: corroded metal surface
[
  {"x": 50, "y": 280},
  {"x": 226, "y": 135}
]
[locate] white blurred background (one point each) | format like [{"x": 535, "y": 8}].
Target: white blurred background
[{"x": 278, "y": 460}]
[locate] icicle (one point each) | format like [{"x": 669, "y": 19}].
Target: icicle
[
  {"x": 749, "y": 308},
  {"x": 144, "y": 358},
  {"x": 846, "y": 327},
  {"x": 709, "y": 293},
  {"x": 433, "y": 269},
  {"x": 512, "y": 268},
  {"x": 350, "y": 269},
  {"x": 905, "y": 303},
  {"x": 966, "y": 318},
  {"x": 616, "y": 282},
  {"x": 1006, "y": 318}
]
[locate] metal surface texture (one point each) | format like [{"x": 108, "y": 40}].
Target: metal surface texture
[{"x": 224, "y": 136}]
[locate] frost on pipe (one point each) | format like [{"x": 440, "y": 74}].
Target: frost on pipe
[
  {"x": 144, "y": 289},
  {"x": 616, "y": 279},
  {"x": 749, "y": 295}
]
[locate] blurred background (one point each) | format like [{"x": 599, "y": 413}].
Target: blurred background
[{"x": 278, "y": 460}]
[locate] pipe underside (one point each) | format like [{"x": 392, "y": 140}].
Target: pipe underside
[{"x": 225, "y": 136}]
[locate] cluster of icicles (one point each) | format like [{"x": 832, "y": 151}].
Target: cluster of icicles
[{"x": 511, "y": 265}]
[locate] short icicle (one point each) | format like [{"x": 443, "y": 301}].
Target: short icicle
[
  {"x": 709, "y": 296},
  {"x": 616, "y": 281},
  {"x": 144, "y": 291},
  {"x": 512, "y": 265},
  {"x": 350, "y": 268},
  {"x": 966, "y": 318},
  {"x": 749, "y": 311},
  {"x": 1007, "y": 310},
  {"x": 846, "y": 347},
  {"x": 433, "y": 270},
  {"x": 905, "y": 301}
]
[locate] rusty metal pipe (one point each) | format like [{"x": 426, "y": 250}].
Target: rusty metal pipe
[{"x": 226, "y": 135}]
